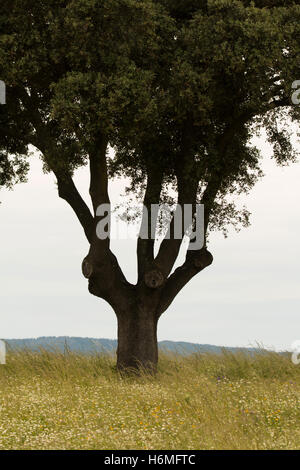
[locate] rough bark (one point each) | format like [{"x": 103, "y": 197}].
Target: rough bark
[{"x": 137, "y": 339}]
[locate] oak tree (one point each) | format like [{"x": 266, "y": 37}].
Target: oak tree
[{"x": 176, "y": 88}]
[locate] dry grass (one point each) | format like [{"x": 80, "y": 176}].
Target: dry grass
[{"x": 70, "y": 401}]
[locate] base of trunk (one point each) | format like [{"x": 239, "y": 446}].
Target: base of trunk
[{"x": 137, "y": 341}]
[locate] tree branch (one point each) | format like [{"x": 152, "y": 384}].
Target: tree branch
[
  {"x": 195, "y": 262},
  {"x": 68, "y": 191},
  {"x": 98, "y": 173},
  {"x": 170, "y": 246},
  {"x": 145, "y": 246},
  {"x": 66, "y": 186}
]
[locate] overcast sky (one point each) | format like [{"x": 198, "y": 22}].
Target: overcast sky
[{"x": 250, "y": 294}]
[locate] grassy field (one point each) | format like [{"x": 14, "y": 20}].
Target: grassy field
[{"x": 69, "y": 401}]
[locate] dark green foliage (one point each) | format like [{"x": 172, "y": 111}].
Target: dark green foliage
[
  {"x": 174, "y": 86},
  {"x": 13, "y": 166}
]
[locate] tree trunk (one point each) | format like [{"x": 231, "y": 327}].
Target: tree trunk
[
  {"x": 137, "y": 340},
  {"x": 137, "y": 307}
]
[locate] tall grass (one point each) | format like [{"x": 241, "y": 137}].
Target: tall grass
[{"x": 52, "y": 400}]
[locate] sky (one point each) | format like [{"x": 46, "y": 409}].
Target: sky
[{"x": 250, "y": 294}]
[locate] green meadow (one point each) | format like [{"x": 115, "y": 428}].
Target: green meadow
[{"x": 51, "y": 400}]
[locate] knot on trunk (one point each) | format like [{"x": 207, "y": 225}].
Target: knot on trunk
[
  {"x": 203, "y": 260},
  {"x": 87, "y": 268},
  {"x": 154, "y": 279}
]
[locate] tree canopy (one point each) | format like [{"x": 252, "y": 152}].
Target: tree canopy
[
  {"x": 13, "y": 152},
  {"x": 157, "y": 79}
]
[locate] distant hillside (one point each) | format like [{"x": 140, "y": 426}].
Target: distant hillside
[{"x": 96, "y": 345}]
